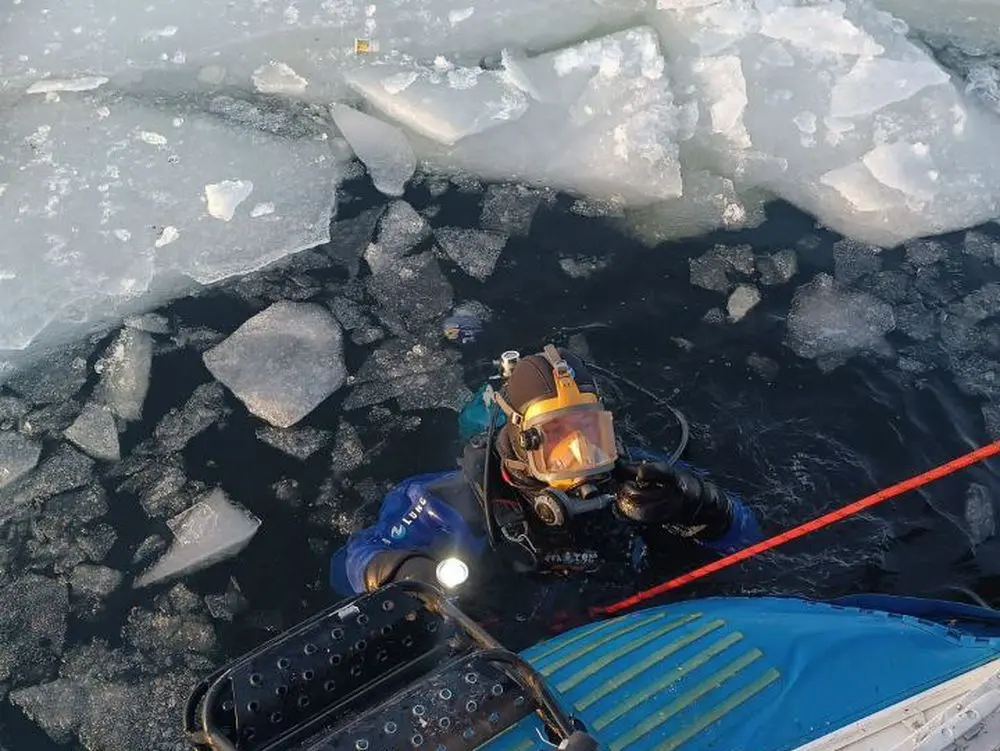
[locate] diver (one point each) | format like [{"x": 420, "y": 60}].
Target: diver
[{"x": 550, "y": 492}]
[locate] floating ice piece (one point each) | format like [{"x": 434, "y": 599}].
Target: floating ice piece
[
  {"x": 84, "y": 164},
  {"x": 509, "y": 209},
  {"x": 95, "y": 581},
  {"x": 94, "y": 431},
  {"x": 743, "y": 299},
  {"x": 202, "y": 410},
  {"x": 825, "y": 320},
  {"x": 400, "y": 229},
  {"x": 282, "y": 362},
  {"x": 210, "y": 531},
  {"x": 300, "y": 443},
  {"x": 382, "y": 147},
  {"x": 18, "y": 456},
  {"x": 979, "y": 513},
  {"x": 777, "y": 268},
  {"x": 225, "y": 606},
  {"x": 475, "y": 251},
  {"x": 719, "y": 266},
  {"x": 33, "y": 613},
  {"x": 348, "y": 451}
]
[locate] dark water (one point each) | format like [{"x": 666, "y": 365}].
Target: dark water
[{"x": 793, "y": 440}]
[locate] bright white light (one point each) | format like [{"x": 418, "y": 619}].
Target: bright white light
[{"x": 451, "y": 572}]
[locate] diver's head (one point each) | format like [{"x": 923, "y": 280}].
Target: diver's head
[{"x": 559, "y": 431}]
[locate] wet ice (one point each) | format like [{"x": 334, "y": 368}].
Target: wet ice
[
  {"x": 94, "y": 432},
  {"x": 210, "y": 531},
  {"x": 282, "y": 362}
]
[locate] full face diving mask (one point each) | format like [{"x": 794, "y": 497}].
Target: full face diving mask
[{"x": 566, "y": 438}]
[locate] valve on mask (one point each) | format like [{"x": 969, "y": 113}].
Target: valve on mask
[
  {"x": 549, "y": 508},
  {"x": 553, "y": 507}
]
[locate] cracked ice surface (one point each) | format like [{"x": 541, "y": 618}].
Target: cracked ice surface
[{"x": 111, "y": 204}]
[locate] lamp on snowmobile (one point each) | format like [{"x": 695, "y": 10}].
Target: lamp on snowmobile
[{"x": 452, "y": 572}]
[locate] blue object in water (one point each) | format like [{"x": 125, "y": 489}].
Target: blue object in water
[
  {"x": 475, "y": 415},
  {"x": 462, "y": 328}
]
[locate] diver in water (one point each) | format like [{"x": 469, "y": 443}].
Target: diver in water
[{"x": 548, "y": 493}]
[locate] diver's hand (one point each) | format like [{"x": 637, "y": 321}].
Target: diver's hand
[{"x": 657, "y": 493}]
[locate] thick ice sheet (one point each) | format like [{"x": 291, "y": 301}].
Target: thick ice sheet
[
  {"x": 598, "y": 118},
  {"x": 832, "y": 108},
  {"x": 288, "y": 47},
  {"x": 111, "y": 204}
]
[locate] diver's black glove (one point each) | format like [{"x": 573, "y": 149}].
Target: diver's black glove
[
  {"x": 398, "y": 565},
  {"x": 656, "y": 493}
]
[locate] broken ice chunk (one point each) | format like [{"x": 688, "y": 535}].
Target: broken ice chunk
[
  {"x": 742, "y": 301},
  {"x": 475, "y": 251},
  {"x": 33, "y": 613},
  {"x": 300, "y": 443},
  {"x": 53, "y": 378},
  {"x": 350, "y": 237},
  {"x": 979, "y": 513},
  {"x": 94, "y": 581},
  {"x": 283, "y": 362},
  {"x": 348, "y": 451},
  {"x": 443, "y": 107},
  {"x": 400, "y": 229},
  {"x": 65, "y": 469},
  {"x": 765, "y": 367},
  {"x": 124, "y": 370},
  {"x": 210, "y": 531},
  {"x": 224, "y": 198},
  {"x": 777, "y": 268},
  {"x": 205, "y": 407},
  {"x": 154, "y": 323},
  {"x": 853, "y": 260},
  {"x": 225, "y": 606},
  {"x": 18, "y": 456},
  {"x": 509, "y": 209},
  {"x": 382, "y": 147},
  {"x": 826, "y": 320},
  {"x": 95, "y": 433},
  {"x": 717, "y": 267}
]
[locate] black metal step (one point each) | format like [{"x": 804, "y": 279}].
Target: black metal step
[
  {"x": 459, "y": 708},
  {"x": 322, "y": 669}
]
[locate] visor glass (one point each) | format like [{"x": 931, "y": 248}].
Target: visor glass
[{"x": 575, "y": 443}]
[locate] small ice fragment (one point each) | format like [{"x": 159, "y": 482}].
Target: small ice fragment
[
  {"x": 49, "y": 85},
  {"x": 96, "y": 581},
  {"x": 979, "y": 513},
  {"x": 210, "y": 531},
  {"x": 742, "y": 301},
  {"x": 167, "y": 236},
  {"x": 777, "y": 268},
  {"x": 124, "y": 368},
  {"x": 262, "y": 209},
  {"x": 278, "y": 78},
  {"x": 203, "y": 409},
  {"x": 18, "y": 456},
  {"x": 383, "y": 148},
  {"x": 348, "y": 451},
  {"x": 225, "y": 606},
  {"x": 95, "y": 433},
  {"x": 300, "y": 443},
  {"x": 283, "y": 362},
  {"x": 475, "y": 251},
  {"x": 225, "y": 197}
]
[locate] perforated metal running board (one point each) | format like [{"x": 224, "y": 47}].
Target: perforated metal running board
[
  {"x": 314, "y": 674},
  {"x": 459, "y": 708}
]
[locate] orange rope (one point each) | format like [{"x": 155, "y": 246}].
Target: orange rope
[{"x": 802, "y": 530}]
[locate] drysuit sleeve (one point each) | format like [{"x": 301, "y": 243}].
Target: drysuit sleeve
[{"x": 412, "y": 523}]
